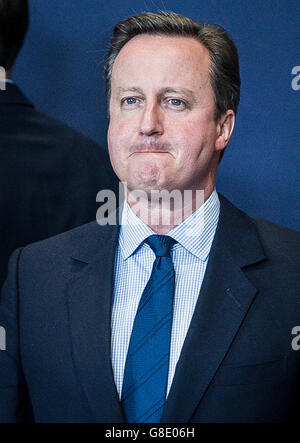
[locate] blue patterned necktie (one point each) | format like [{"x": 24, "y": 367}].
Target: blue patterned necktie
[{"x": 146, "y": 369}]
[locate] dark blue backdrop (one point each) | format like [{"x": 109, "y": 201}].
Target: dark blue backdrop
[{"x": 60, "y": 69}]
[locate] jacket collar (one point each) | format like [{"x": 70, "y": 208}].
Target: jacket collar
[
  {"x": 13, "y": 95},
  {"x": 236, "y": 232}
]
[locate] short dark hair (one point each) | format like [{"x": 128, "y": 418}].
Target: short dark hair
[
  {"x": 14, "y": 20},
  {"x": 224, "y": 59}
]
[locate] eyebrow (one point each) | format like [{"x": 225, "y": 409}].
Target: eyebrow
[
  {"x": 187, "y": 92},
  {"x": 130, "y": 89}
]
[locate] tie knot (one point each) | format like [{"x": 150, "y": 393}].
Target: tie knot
[{"x": 160, "y": 244}]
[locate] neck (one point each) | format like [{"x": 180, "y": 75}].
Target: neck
[{"x": 163, "y": 210}]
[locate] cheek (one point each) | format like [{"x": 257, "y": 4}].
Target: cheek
[
  {"x": 195, "y": 137},
  {"x": 114, "y": 138},
  {"x": 119, "y": 132},
  {"x": 187, "y": 142},
  {"x": 114, "y": 149},
  {"x": 111, "y": 135},
  {"x": 118, "y": 141}
]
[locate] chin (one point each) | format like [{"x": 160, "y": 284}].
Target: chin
[
  {"x": 146, "y": 180},
  {"x": 147, "y": 186}
]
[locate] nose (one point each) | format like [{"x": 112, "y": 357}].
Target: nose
[{"x": 151, "y": 120}]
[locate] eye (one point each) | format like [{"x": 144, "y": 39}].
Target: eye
[
  {"x": 130, "y": 101},
  {"x": 176, "y": 102}
]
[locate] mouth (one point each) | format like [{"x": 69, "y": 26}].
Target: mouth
[
  {"x": 151, "y": 152},
  {"x": 151, "y": 147}
]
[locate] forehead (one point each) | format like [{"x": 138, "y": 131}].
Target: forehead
[{"x": 161, "y": 58}]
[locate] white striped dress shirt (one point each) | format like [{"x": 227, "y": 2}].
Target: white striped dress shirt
[{"x": 133, "y": 266}]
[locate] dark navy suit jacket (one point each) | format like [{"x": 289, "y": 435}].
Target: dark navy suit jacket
[
  {"x": 237, "y": 363},
  {"x": 49, "y": 175}
]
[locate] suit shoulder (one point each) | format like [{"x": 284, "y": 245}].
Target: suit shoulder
[
  {"x": 276, "y": 231},
  {"x": 83, "y": 242},
  {"x": 279, "y": 244},
  {"x": 64, "y": 242},
  {"x": 55, "y": 150},
  {"x": 60, "y": 129},
  {"x": 33, "y": 124},
  {"x": 279, "y": 240}
]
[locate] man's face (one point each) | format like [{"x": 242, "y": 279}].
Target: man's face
[{"x": 162, "y": 132}]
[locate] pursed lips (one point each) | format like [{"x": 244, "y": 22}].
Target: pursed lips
[
  {"x": 151, "y": 152},
  {"x": 151, "y": 147}
]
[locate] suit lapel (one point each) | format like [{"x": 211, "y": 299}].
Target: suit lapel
[
  {"x": 89, "y": 301},
  {"x": 225, "y": 297}
]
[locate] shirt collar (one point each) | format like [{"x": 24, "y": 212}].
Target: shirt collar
[
  {"x": 195, "y": 233},
  {"x": 133, "y": 231},
  {"x": 6, "y": 80}
]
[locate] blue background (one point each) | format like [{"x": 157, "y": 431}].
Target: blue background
[{"x": 61, "y": 70}]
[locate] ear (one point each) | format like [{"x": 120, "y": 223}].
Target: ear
[{"x": 224, "y": 129}]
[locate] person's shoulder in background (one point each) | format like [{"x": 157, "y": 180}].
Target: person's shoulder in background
[
  {"x": 45, "y": 159},
  {"x": 50, "y": 175}
]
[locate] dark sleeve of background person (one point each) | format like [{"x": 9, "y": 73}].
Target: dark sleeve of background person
[{"x": 49, "y": 175}]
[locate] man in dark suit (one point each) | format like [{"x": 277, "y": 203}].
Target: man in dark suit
[
  {"x": 78, "y": 309},
  {"x": 49, "y": 173}
]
